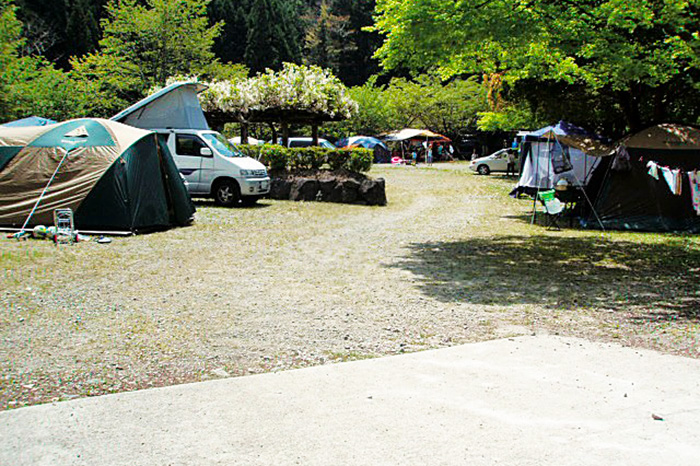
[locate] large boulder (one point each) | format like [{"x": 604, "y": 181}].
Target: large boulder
[
  {"x": 373, "y": 192},
  {"x": 330, "y": 191},
  {"x": 280, "y": 188},
  {"x": 350, "y": 191},
  {"x": 304, "y": 189}
]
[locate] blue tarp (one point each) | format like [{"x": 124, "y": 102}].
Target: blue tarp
[
  {"x": 562, "y": 128},
  {"x": 30, "y": 121}
]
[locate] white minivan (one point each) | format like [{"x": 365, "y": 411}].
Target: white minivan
[
  {"x": 214, "y": 168},
  {"x": 211, "y": 165}
]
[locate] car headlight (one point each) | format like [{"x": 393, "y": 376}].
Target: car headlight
[{"x": 254, "y": 173}]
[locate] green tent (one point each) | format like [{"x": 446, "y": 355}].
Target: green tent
[{"x": 113, "y": 176}]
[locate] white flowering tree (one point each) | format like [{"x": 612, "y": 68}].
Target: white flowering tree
[{"x": 296, "y": 94}]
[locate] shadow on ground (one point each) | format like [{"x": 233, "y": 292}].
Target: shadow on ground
[
  {"x": 210, "y": 203},
  {"x": 657, "y": 281}
]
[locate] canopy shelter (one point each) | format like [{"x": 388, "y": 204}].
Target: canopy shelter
[
  {"x": 114, "y": 177},
  {"x": 553, "y": 153},
  {"x": 649, "y": 183},
  {"x": 410, "y": 133},
  {"x": 416, "y": 138},
  {"x": 175, "y": 106},
  {"x": 381, "y": 151},
  {"x": 29, "y": 121}
]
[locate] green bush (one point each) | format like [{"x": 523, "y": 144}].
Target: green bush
[
  {"x": 279, "y": 158},
  {"x": 274, "y": 156},
  {"x": 338, "y": 158},
  {"x": 307, "y": 158},
  {"x": 360, "y": 160},
  {"x": 249, "y": 150}
]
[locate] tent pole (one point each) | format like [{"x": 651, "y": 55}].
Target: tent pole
[{"x": 600, "y": 222}]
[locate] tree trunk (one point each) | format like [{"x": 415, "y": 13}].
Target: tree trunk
[
  {"x": 244, "y": 133},
  {"x": 314, "y": 134},
  {"x": 629, "y": 101},
  {"x": 274, "y": 133},
  {"x": 285, "y": 134}
]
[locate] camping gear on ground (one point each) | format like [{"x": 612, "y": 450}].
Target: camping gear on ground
[
  {"x": 563, "y": 151},
  {"x": 553, "y": 207},
  {"x": 381, "y": 151},
  {"x": 113, "y": 177},
  {"x": 30, "y": 121},
  {"x": 65, "y": 227},
  {"x": 629, "y": 189}
]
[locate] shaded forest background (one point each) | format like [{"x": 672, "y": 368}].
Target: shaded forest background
[{"x": 257, "y": 33}]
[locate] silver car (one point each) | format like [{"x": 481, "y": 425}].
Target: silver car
[{"x": 496, "y": 162}]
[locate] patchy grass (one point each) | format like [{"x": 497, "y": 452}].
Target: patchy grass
[{"x": 452, "y": 259}]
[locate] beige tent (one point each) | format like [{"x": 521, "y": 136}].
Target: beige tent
[{"x": 113, "y": 176}]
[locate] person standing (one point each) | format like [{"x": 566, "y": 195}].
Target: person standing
[
  {"x": 429, "y": 155},
  {"x": 510, "y": 168}
]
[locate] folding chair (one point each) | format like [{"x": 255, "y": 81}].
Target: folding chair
[{"x": 552, "y": 206}]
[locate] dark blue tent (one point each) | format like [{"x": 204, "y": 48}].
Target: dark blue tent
[{"x": 30, "y": 121}]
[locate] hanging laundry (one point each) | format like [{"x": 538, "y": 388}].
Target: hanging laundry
[
  {"x": 653, "y": 169},
  {"x": 694, "y": 178},
  {"x": 673, "y": 179}
]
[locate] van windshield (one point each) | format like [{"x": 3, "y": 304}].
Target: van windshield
[{"x": 221, "y": 145}]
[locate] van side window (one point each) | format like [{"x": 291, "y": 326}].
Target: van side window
[
  {"x": 187, "y": 144},
  {"x": 299, "y": 144}
]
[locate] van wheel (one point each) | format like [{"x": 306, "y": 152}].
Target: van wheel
[
  {"x": 227, "y": 193},
  {"x": 483, "y": 169}
]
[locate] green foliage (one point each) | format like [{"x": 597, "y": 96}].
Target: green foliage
[
  {"x": 274, "y": 156},
  {"x": 511, "y": 118},
  {"x": 250, "y": 150},
  {"x": 162, "y": 39},
  {"x": 306, "y": 158},
  {"x": 360, "y": 160},
  {"x": 273, "y": 35},
  {"x": 634, "y": 52},
  {"x": 279, "y": 158},
  {"x": 338, "y": 158},
  {"x": 326, "y": 39},
  {"x": 106, "y": 83},
  {"x": 10, "y": 41},
  {"x": 447, "y": 108}
]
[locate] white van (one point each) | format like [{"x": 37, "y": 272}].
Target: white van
[
  {"x": 214, "y": 168},
  {"x": 211, "y": 165}
]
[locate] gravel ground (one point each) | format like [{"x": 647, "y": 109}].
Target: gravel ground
[{"x": 283, "y": 285}]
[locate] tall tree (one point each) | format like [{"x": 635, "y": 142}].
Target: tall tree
[
  {"x": 231, "y": 44},
  {"x": 10, "y": 42},
  {"x": 327, "y": 38},
  {"x": 357, "y": 63},
  {"x": 162, "y": 39},
  {"x": 632, "y": 52},
  {"x": 60, "y": 29},
  {"x": 273, "y": 34}
]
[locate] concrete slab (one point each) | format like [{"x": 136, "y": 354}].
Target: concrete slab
[{"x": 525, "y": 401}]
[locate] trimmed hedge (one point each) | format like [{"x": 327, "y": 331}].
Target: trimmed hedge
[{"x": 279, "y": 158}]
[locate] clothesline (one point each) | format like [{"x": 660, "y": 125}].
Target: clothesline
[{"x": 674, "y": 180}]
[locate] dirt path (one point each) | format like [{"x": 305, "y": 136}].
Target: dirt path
[{"x": 450, "y": 260}]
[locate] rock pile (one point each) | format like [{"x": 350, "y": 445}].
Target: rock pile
[{"x": 346, "y": 190}]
